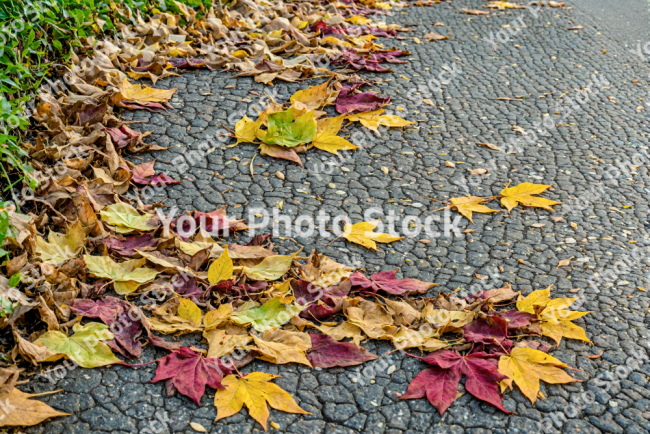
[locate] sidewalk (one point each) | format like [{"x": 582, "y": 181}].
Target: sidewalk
[{"x": 539, "y": 65}]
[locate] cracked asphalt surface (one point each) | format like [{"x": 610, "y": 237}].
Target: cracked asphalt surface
[{"x": 543, "y": 62}]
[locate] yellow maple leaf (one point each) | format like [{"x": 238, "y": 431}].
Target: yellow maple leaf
[
  {"x": 469, "y": 204},
  {"x": 374, "y": 119},
  {"x": 362, "y": 233},
  {"x": 253, "y": 390},
  {"x": 523, "y": 194},
  {"x": 326, "y": 139},
  {"x": 311, "y": 98},
  {"x": 526, "y": 367},
  {"x": 246, "y": 130},
  {"x": 554, "y": 315}
]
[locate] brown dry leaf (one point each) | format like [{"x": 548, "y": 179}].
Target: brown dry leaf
[
  {"x": 477, "y": 171},
  {"x": 343, "y": 331},
  {"x": 221, "y": 343},
  {"x": 564, "y": 262},
  {"x": 475, "y": 12},
  {"x": 431, "y": 36},
  {"x": 491, "y": 146},
  {"x": 372, "y": 318},
  {"x": 20, "y": 410},
  {"x": 575, "y": 28},
  {"x": 281, "y": 346},
  {"x": 445, "y": 320}
]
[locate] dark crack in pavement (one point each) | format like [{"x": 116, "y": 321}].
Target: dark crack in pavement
[{"x": 605, "y": 229}]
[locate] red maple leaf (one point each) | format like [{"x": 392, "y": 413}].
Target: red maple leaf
[
  {"x": 439, "y": 383},
  {"x": 191, "y": 372},
  {"x": 387, "y": 282}
]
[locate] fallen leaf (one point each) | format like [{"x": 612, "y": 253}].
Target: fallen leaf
[
  {"x": 564, "y": 262},
  {"x": 440, "y": 382},
  {"x": 491, "y": 146},
  {"x": 475, "y": 12},
  {"x": 467, "y": 205},
  {"x": 270, "y": 268},
  {"x": 19, "y": 410},
  {"x": 326, "y": 139},
  {"x": 523, "y": 194},
  {"x": 271, "y": 314},
  {"x": 387, "y": 282},
  {"x": 198, "y": 427},
  {"x": 221, "y": 268},
  {"x": 126, "y": 276},
  {"x": 124, "y": 218},
  {"x": 85, "y": 346},
  {"x": 328, "y": 353},
  {"x": 255, "y": 391},
  {"x": 526, "y": 367},
  {"x": 282, "y": 346},
  {"x": 311, "y": 98},
  {"x": 431, "y": 36},
  {"x": 362, "y": 233},
  {"x": 190, "y": 372},
  {"x": 59, "y": 247},
  {"x": 288, "y": 129}
]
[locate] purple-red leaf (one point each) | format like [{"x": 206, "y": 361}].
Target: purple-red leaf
[
  {"x": 162, "y": 179},
  {"x": 387, "y": 282},
  {"x": 191, "y": 372},
  {"x": 189, "y": 288},
  {"x": 480, "y": 369},
  {"x": 347, "y": 102},
  {"x": 492, "y": 329},
  {"x": 327, "y": 353},
  {"x": 128, "y": 246},
  {"x": 325, "y": 301},
  {"x": 438, "y": 384},
  {"x": 118, "y": 316},
  {"x": 516, "y": 319}
]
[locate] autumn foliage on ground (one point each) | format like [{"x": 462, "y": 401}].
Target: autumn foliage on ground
[{"x": 94, "y": 276}]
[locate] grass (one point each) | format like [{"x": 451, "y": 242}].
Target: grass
[{"x": 36, "y": 36}]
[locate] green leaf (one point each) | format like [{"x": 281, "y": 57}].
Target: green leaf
[
  {"x": 286, "y": 131},
  {"x": 14, "y": 280},
  {"x": 84, "y": 347},
  {"x": 271, "y": 314}
]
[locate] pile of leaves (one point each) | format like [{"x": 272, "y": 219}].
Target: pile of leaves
[
  {"x": 284, "y": 133},
  {"x": 94, "y": 277}
]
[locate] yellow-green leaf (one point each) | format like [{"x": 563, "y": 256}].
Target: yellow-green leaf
[
  {"x": 124, "y": 218},
  {"x": 59, "y": 247},
  {"x": 85, "y": 346},
  {"x": 127, "y": 276}
]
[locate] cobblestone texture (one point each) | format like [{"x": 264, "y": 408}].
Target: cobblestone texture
[{"x": 542, "y": 57}]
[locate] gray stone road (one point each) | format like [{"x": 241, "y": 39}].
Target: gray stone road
[{"x": 543, "y": 62}]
